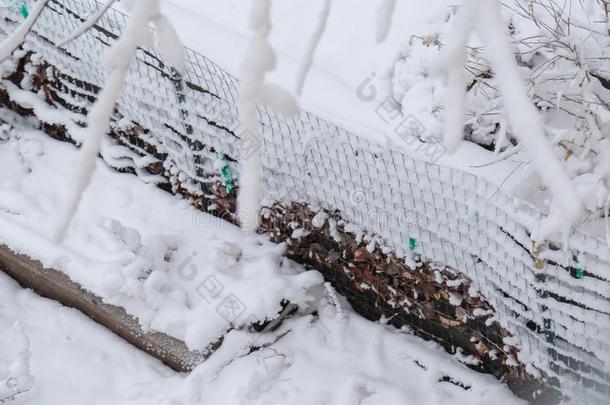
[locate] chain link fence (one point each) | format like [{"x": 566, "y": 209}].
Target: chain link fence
[{"x": 554, "y": 299}]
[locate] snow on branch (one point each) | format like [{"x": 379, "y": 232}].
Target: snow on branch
[
  {"x": 15, "y": 40},
  {"x": 87, "y": 25},
  {"x": 313, "y": 45},
  {"x": 525, "y": 119},
  {"x": 385, "y": 12},
  {"x": 456, "y": 79},
  {"x": 118, "y": 58},
  {"x": 169, "y": 43},
  {"x": 260, "y": 59}
]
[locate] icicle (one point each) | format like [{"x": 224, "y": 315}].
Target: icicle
[
  {"x": 385, "y": 13},
  {"x": 313, "y": 45}
]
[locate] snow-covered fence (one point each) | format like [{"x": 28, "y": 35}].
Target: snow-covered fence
[{"x": 555, "y": 300}]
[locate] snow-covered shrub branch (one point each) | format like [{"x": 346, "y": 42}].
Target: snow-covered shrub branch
[
  {"x": 87, "y": 25},
  {"x": 312, "y": 46},
  {"x": 562, "y": 56},
  {"x": 15, "y": 40},
  {"x": 19, "y": 380},
  {"x": 527, "y": 123},
  {"x": 385, "y": 12},
  {"x": 119, "y": 59},
  {"x": 260, "y": 59}
]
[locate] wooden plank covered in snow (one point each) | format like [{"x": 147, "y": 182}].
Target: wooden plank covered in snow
[{"x": 56, "y": 285}]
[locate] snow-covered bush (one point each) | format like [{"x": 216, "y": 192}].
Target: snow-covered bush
[
  {"x": 562, "y": 50},
  {"x": 15, "y": 376}
]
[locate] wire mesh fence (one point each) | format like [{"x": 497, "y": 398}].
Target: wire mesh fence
[{"x": 554, "y": 299}]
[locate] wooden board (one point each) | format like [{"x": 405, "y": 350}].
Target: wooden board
[{"x": 57, "y": 286}]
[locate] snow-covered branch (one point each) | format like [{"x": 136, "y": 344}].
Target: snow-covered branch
[
  {"x": 15, "y": 40},
  {"x": 555, "y": 112},
  {"x": 87, "y": 25},
  {"x": 456, "y": 78},
  {"x": 385, "y": 12},
  {"x": 312, "y": 46},
  {"x": 527, "y": 122},
  {"x": 260, "y": 59},
  {"x": 118, "y": 58}
]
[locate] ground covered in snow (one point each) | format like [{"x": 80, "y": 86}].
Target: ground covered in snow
[
  {"x": 72, "y": 359},
  {"x": 176, "y": 269},
  {"x": 337, "y": 358}
]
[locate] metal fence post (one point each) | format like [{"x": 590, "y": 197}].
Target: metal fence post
[
  {"x": 548, "y": 327},
  {"x": 194, "y": 145}
]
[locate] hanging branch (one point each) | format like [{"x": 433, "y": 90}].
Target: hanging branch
[
  {"x": 313, "y": 45},
  {"x": 87, "y": 25},
  {"x": 385, "y": 12},
  {"x": 260, "y": 59},
  {"x": 15, "y": 40},
  {"x": 119, "y": 57},
  {"x": 456, "y": 82},
  {"x": 523, "y": 115}
]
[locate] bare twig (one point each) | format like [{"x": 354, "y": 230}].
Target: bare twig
[
  {"x": 15, "y": 40},
  {"x": 86, "y": 26}
]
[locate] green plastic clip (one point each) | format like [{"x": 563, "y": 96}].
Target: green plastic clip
[
  {"x": 412, "y": 244},
  {"x": 227, "y": 176},
  {"x": 579, "y": 273},
  {"x": 24, "y": 9}
]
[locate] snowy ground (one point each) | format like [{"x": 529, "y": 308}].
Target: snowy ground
[
  {"x": 73, "y": 360},
  {"x": 139, "y": 247},
  {"x": 326, "y": 361}
]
